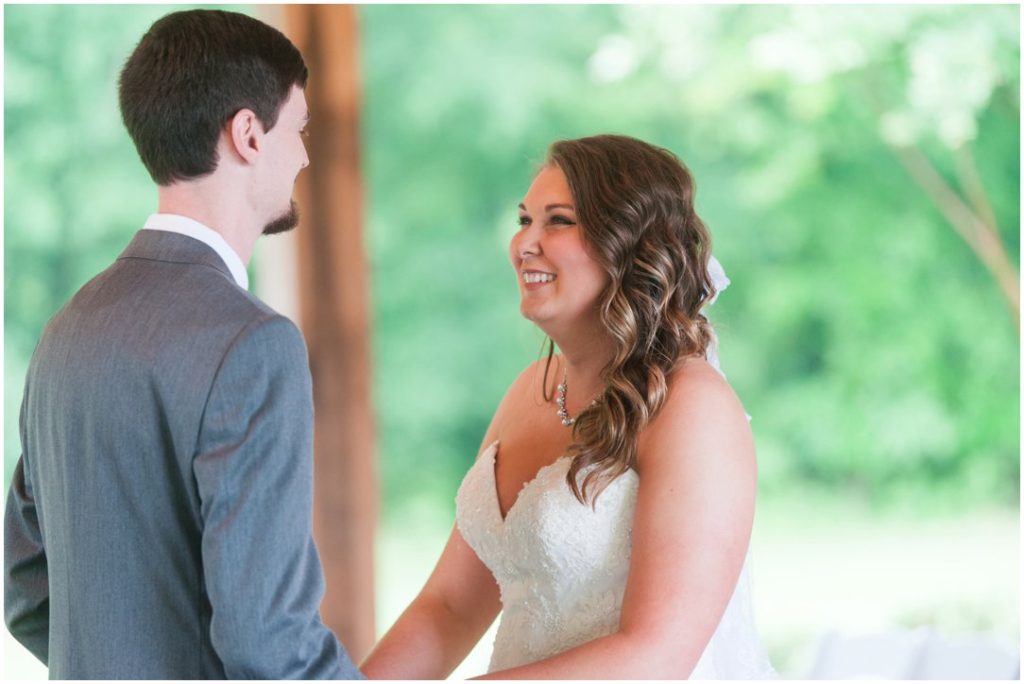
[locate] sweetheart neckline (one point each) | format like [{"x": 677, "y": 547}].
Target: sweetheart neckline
[{"x": 503, "y": 519}]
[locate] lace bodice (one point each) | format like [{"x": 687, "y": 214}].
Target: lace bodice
[{"x": 562, "y": 568}]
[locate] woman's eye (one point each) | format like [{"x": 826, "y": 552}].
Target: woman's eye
[
  {"x": 562, "y": 220},
  {"x": 524, "y": 221}
]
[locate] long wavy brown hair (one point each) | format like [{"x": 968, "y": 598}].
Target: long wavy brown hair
[{"x": 635, "y": 208}]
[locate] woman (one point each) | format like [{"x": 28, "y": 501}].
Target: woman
[{"x": 609, "y": 513}]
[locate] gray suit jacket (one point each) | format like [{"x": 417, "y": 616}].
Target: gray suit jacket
[{"x": 158, "y": 523}]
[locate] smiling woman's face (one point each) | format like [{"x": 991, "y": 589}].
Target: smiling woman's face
[{"x": 559, "y": 282}]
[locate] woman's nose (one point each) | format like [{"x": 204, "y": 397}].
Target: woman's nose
[{"x": 526, "y": 243}]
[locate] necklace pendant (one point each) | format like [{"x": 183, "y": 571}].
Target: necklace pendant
[{"x": 563, "y": 414}]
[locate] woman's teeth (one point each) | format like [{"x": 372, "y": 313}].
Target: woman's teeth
[{"x": 538, "y": 277}]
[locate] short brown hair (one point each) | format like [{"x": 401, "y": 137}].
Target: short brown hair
[{"x": 192, "y": 72}]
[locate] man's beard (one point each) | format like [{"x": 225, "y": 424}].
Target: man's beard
[{"x": 284, "y": 222}]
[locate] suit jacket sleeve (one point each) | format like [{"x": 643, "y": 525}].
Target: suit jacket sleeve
[
  {"x": 254, "y": 469},
  {"x": 26, "y": 580}
]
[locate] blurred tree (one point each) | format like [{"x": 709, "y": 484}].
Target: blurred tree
[
  {"x": 868, "y": 345},
  {"x": 889, "y": 364},
  {"x": 952, "y": 62}
]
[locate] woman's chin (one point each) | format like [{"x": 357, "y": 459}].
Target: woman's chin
[{"x": 544, "y": 320}]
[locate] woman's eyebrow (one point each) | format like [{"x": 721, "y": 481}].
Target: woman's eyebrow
[{"x": 549, "y": 207}]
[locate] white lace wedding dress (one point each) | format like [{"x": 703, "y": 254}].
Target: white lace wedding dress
[{"x": 562, "y": 568}]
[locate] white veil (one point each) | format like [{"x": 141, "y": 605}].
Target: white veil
[
  {"x": 721, "y": 282},
  {"x": 735, "y": 651}
]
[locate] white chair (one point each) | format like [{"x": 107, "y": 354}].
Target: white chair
[
  {"x": 889, "y": 655},
  {"x": 913, "y": 654},
  {"x": 970, "y": 657}
]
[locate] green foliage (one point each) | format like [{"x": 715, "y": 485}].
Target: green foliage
[{"x": 870, "y": 345}]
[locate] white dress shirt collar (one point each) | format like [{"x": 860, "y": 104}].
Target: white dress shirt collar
[{"x": 175, "y": 223}]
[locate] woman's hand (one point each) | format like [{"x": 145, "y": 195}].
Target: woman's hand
[{"x": 439, "y": 628}]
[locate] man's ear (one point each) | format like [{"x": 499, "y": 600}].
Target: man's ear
[{"x": 245, "y": 134}]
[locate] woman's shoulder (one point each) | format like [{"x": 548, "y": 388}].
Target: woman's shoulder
[
  {"x": 701, "y": 414},
  {"x": 695, "y": 384}
]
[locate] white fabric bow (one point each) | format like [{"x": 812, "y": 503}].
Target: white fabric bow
[{"x": 718, "y": 279}]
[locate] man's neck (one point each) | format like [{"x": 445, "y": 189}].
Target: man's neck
[{"x": 204, "y": 203}]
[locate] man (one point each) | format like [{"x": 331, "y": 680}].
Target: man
[{"x": 158, "y": 523}]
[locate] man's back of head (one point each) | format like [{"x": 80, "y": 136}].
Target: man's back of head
[{"x": 190, "y": 73}]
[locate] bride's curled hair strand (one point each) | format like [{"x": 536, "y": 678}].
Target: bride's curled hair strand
[{"x": 635, "y": 208}]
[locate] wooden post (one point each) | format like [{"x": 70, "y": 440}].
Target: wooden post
[{"x": 334, "y": 316}]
